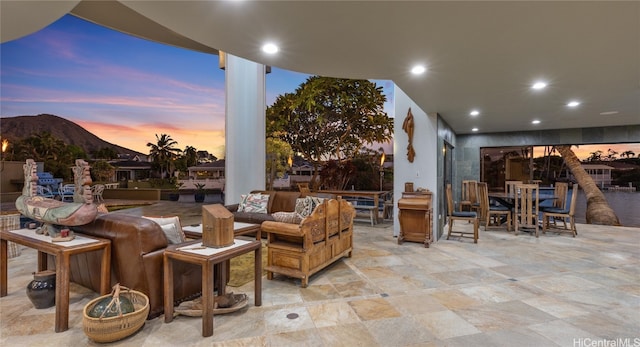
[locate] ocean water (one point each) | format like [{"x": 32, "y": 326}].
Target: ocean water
[{"x": 625, "y": 204}]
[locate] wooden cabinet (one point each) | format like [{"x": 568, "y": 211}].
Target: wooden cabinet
[{"x": 415, "y": 215}]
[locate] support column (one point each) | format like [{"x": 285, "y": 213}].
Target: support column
[{"x": 244, "y": 127}]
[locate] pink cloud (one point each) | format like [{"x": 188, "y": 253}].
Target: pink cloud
[{"x": 136, "y": 137}]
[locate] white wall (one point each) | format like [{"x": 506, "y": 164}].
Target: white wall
[
  {"x": 244, "y": 128},
  {"x": 423, "y": 171}
]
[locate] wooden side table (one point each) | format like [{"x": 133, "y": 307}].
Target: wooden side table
[
  {"x": 62, "y": 251},
  {"x": 239, "y": 228},
  {"x": 213, "y": 262}
]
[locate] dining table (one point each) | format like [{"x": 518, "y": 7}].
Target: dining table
[
  {"x": 508, "y": 199},
  {"x": 375, "y": 195}
]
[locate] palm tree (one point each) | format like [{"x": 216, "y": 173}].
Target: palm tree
[
  {"x": 628, "y": 154},
  {"x": 190, "y": 154},
  {"x": 598, "y": 209},
  {"x": 595, "y": 156},
  {"x": 163, "y": 153}
]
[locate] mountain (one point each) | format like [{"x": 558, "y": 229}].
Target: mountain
[{"x": 20, "y": 127}]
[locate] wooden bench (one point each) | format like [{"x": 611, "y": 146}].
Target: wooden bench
[
  {"x": 300, "y": 250},
  {"x": 365, "y": 207}
]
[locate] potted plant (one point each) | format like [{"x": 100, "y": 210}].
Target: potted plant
[
  {"x": 200, "y": 192},
  {"x": 175, "y": 194}
]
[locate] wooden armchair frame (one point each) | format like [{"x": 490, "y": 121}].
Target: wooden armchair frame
[{"x": 301, "y": 250}]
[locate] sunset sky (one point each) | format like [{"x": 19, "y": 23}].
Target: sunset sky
[
  {"x": 126, "y": 90},
  {"x": 121, "y": 88}
]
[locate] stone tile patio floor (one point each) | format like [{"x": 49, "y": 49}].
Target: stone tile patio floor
[{"x": 506, "y": 290}]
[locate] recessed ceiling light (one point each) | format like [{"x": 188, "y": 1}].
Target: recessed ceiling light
[
  {"x": 418, "y": 69},
  {"x": 270, "y": 48},
  {"x": 608, "y": 113},
  {"x": 539, "y": 85},
  {"x": 535, "y": 121},
  {"x": 474, "y": 112},
  {"x": 474, "y": 129},
  {"x": 573, "y": 103}
]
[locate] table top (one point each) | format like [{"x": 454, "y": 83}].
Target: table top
[
  {"x": 503, "y": 195},
  {"x": 368, "y": 192},
  {"x": 354, "y": 192},
  {"x": 195, "y": 250},
  {"x": 29, "y": 237},
  {"x": 238, "y": 227}
]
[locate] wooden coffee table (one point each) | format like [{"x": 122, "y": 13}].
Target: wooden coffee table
[
  {"x": 213, "y": 262},
  {"x": 62, "y": 251},
  {"x": 239, "y": 228}
]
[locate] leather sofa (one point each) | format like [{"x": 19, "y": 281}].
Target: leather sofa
[
  {"x": 300, "y": 250},
  {"x": 137, "y": 246},
  {"x": 279, "y": 201}
]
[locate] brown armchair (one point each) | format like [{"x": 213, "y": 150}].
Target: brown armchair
[{"x": 137, "y": 247}]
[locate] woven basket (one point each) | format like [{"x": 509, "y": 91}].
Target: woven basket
[{"x": 116, "y": 328}]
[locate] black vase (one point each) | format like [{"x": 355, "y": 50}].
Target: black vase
[{"x": 42, "y": 290}]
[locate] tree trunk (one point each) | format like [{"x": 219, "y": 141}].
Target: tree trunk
[{"x": 598, "y": 209}]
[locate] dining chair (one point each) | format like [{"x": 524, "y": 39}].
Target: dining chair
[
  {"x": 387, "y": 210},
  {"x": 560, "y": 202},
  {"x": 469, "y": 195},
  {"x": 562, "y": 214},
  {"x": 526, "y": 207},
  {"x": 509, "y": 186},
  {"x": 96, "y": 191},
  {"x": 304, "y": 188},
  {"x": 454, "y": 215},
  {"x": 44, "y": 191},
  {"x": 491, "y": 214},
  {"x": 66, "y": 192}
]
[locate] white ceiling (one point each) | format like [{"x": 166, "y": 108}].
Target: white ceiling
[{"x": 480, "y": 55}]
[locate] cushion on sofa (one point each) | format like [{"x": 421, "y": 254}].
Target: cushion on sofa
[
  {"x": 287, "y": 217},
  {"x": 255, "y": 203},
  {"x": 171, "y": 228},
  {"x": 305, "y": 206}
]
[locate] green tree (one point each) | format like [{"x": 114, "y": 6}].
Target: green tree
[
  {"x": 330, "y": 118},
  {"x": 595, "y": 156},
  {"x": 163, "y": 153},
  {"x": 598, "y": 209},
  {"x": 278, "y": 153},
  {"x": 337, "y": 174},
  {"x": 628, "y": 154},
  {"x": 105, "y": 153},
  {"x": 188, "y": 158},
  {"x": 57, "y": 156},
  {"x": 102, "y": 171},
  {"x": 190, "y": 154}
]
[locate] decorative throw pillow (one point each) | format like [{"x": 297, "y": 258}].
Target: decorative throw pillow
[
  {"x": 171, "y": 228},
  {"x": 256, "y": 203},
  {"x": 287, "y": 217},
  {"x": 305, "y": 206}
]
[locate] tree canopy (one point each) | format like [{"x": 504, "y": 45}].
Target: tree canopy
[
  {"x": 330, "y": 118},
  {"x": 57, "y": 156},
  {"x": 163, "y": 153}
]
